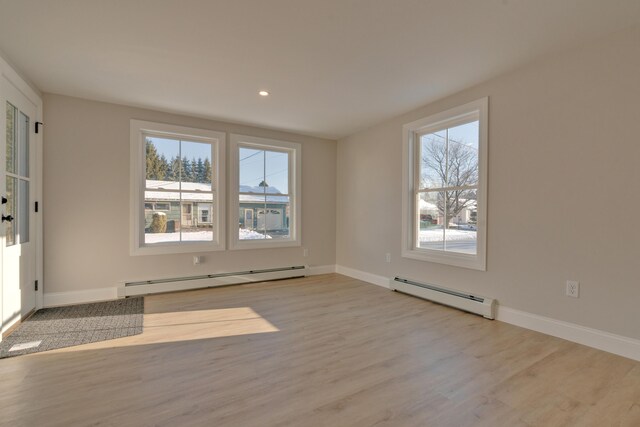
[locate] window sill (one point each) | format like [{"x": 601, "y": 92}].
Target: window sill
[
  {"x": 473, "y": 262},
  {"x": 264, "y": 244},
  {"x": 176, "y": 248}
]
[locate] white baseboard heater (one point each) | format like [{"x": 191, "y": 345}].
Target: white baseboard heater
[
  {"x": 145, "y": 287},
  {"x": 463, "y": 301}
]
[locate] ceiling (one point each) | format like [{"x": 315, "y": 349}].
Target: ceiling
[{"x": 333, "y": 67}]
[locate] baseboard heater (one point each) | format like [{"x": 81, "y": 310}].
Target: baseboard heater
[
  {"x": 463, "y": 301},
  {"x": 145, "y": 287}
]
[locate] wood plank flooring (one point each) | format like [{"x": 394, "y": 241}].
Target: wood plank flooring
[{"x": 319, "y": 351}]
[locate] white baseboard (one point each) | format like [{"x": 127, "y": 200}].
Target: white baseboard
[
  {"x": 612, "y": 343},
  {"x": 53, "y": 299},
  {"x": 364, "y": 276},
  {"x": 321, "y": 269}
]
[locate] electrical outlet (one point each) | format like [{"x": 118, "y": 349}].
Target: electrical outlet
[
  {"x": 305, "y": 252},
  {"x": 197, "y": 260},
  {"x": 387, "y": 257},
  {"x": 573, "y": 289}
]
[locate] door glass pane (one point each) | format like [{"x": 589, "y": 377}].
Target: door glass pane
[
  {"x": 10, "y": 210},
  {"x": 12, "y": 131},
  {"x": 163, "y": 164},
  {"x": 161, "y": 217},
  {"x": 23, "y": 211},
  {"x": 23, "y": 146},
  {"x": 431, "y": 219}
]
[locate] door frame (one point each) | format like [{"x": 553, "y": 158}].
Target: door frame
[{"x": 11, "y": 76}]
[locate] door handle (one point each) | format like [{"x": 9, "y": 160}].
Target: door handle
[{"x": 7, "y": 218}]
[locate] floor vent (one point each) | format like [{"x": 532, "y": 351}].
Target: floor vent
[
  {"x": 146, "y": 287},
  {"x": 463, "y": 301}
]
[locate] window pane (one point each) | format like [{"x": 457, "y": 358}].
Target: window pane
[
  {"x": 433, "y": 160},
  {"x": 274, "y": 217},
  {"x": 196, "y": 160},
  {"x": 162, "y": 226},
  {"x": 251, "y": 167},
  {"x": 12, "y": 131},
  {"x": 23, "y": 211},
  {"x": 461, "y": 233},
  {"x": 431, "y": 218},
  {"x": 277, "y": 171},
  {"x": 248, "y": 225},
  {"x": 163, "y": 165},
  {"x": 462, "y": 155},
  {"x": 197, "y": 217},
  {"x": 23, "y": 146},
  {"x": 10, "y": 209}
]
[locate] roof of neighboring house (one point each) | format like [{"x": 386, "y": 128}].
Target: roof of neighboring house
[{"x": 200, "y": 192}]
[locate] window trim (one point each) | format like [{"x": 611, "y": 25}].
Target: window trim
[
  {"x": 411, "y": 136},
  {"x": 295, "y": 190},
  {"x": 138, "y": 128}
]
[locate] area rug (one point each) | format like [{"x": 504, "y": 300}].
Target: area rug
[{"x": 59, "y": 327}]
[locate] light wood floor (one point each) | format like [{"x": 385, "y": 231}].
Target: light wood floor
[{"x": 320, "y": 351}]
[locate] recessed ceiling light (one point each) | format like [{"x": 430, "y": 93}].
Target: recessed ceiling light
[{"x": 263, "y": 93}]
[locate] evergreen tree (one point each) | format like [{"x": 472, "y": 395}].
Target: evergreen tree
[
  {"x": 178, "y": 168},
  {"x": 200, "y": 177},
  {"x": 193, "y": 176},
  {"x": 170, "y": 173},
  {"x": 151, "y": 160},
  {"x": 206, "y": 171},
  {"x": 162, "y": 167},
  {"x": 187, "y": 170}
]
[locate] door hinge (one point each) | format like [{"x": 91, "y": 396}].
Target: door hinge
[
  {"x": 36, "y": 285},
  {"x": 38, "y": 124},
  {"x": 36, "y": 206}
]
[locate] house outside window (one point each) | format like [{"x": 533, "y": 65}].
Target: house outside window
[
  {"x": 177, "y": 173},
  {"x": 265, "y": 207},
  {"x": 445, "y": 186}
]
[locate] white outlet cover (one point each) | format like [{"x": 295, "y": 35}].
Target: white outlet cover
[{"x": 573, "y": 288}]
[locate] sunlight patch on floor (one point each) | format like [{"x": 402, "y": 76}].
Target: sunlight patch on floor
[{"x": 189, "y": 325}]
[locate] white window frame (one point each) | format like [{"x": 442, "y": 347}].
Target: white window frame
[
  {"x": 138, "y": 130},
  {"x": 410, "y": 215},
  {"x": 295, "y": 185}
]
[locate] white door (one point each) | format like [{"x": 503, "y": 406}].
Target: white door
[{"x": 18, "y": 190}]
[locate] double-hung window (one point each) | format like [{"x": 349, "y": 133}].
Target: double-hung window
[
  {"x": 445, "y": 187},
  {"x": 177, "y": 189},
  {"x": 264, "y": 209}
]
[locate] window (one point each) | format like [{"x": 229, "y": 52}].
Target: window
[
  {"x": 445, "y": 185},
  {"x": 265, "y": 186},
  {"x": 176, "y": 172}
]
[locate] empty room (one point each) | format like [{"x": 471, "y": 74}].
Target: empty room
[{"x": 319, "y": 213}]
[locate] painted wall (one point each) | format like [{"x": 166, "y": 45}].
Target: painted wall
[
  {"x": 564, "y": 186},
  {"x": 86, "y": 200}
]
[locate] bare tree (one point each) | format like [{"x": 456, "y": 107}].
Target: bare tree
[{"x": 454, "y": 165}]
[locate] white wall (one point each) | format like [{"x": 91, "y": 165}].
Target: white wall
[
  {"x": 86, "y": 201},
  {"x": 564, "y": 187}
]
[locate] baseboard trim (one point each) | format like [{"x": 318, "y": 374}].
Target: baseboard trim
[
  {"x": 601, "y": 340},
  {"x": 54, "y": 299},
  {"x": 606, "y": 341},
  {"x": 364, "y": 276},
  {"x": 321, "y": 269}
]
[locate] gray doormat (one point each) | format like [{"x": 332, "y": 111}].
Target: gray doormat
[{"x": 58, "y": 327}]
